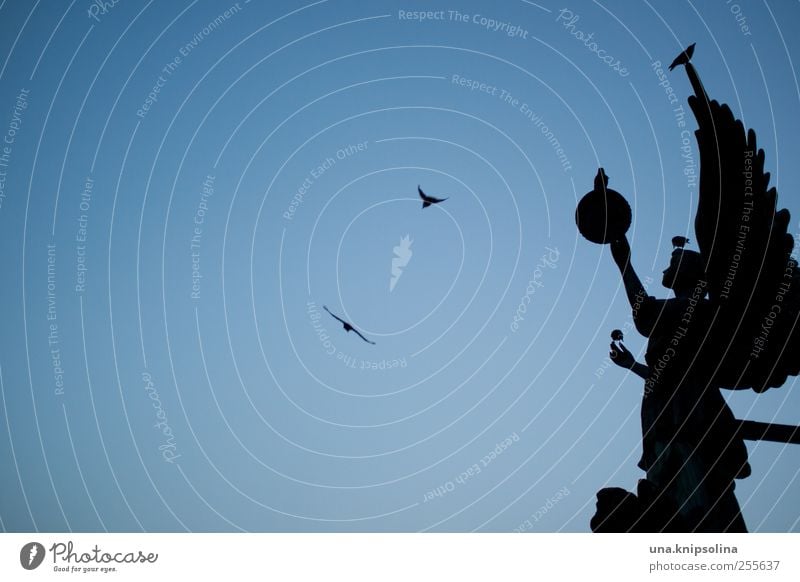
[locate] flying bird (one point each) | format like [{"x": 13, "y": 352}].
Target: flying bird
[
  {"x": 684, "y": 57},
  {"x": 679, "y": 241},
  {"x": 347, "y": 326},
  {"x": 428, "y": 200}
]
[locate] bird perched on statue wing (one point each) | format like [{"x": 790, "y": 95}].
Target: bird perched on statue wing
[
  {"x": 684, "y": 57},
  {"x": 428, "y": 200}
]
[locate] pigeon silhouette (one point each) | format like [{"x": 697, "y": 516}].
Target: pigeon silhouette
[
  {"x": 679, "y": 241},
  {"x": 347, "y": 326},
  {"x": 428, "y": 200},
  {"x": 684, "y": 57}
]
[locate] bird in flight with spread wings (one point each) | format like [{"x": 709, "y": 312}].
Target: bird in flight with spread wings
[
  {"x": 428, "y": 200},
  {"x": 347, "y": 326}
]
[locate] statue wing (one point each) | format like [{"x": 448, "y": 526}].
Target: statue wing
[{"x": 753, "y": 281}]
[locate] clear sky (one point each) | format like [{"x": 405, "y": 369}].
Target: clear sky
[{"x": 184, "y": 185}]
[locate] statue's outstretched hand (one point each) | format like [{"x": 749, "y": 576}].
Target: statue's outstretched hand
[
  {"x": 621, "y": 356},
  {"x": 621, "y": 251}
]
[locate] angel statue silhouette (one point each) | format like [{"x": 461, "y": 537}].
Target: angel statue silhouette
[{"x": 732, "y": 324}]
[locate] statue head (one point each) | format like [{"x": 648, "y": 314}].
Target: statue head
[{"x": 684, "y": 273}]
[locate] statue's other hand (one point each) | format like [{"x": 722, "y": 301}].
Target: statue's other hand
[{"x": 621, "y": 356}]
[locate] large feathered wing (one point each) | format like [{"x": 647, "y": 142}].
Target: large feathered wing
[{"x": 753, "y": 281}]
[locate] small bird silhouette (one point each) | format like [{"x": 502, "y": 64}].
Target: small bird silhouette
[
  {"x": 428, "y": 200},
  {"x": 600, "y": 180},
  {"x": 347, "y": 326},
  {"x": 684, "y": 57},
  {"x": 679, "y": 241}
]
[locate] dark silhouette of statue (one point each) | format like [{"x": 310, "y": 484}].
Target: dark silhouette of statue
[
  {"x": 691, "y": 450},
  {"x": 733, "y": 323}
]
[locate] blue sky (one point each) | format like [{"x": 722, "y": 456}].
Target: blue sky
[{"x": 188, "y": 183}]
